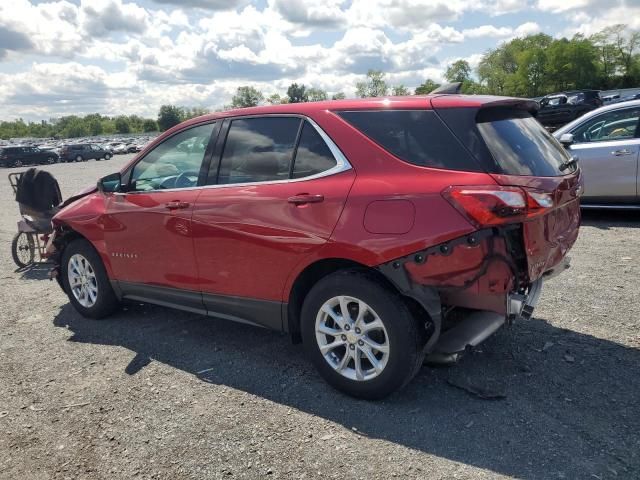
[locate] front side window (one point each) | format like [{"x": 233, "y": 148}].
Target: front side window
[
  {"x": 615, "y": 125},
  {"x": 175, "y": 163},
  {"x": 258, "y": 150}
]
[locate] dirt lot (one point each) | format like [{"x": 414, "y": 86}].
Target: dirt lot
[{"x": 156, "y": 393}]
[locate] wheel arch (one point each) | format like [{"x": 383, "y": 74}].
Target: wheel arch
[{"x": 319, "y": 269}]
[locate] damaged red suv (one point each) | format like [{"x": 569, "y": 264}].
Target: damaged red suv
[{"x": 377, "y": 231}]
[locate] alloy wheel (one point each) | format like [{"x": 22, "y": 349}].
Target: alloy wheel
[
  {"x": 82, "y": 280},
  {"x": 352, "y": 338}
]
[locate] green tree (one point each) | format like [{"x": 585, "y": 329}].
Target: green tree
[
  {"x": 297, "y": 93},
  {"x": 274, "y": 99},
  {"x": 338, "y": 96},
  {"x": 246, "y": 96},
  {"x": 400, "y": 91},
  {"x": 122, "y": 124},
  {"x": 169, "y": 116},
  {"x": 150, "y": 126},
  {"x": 458, "y": 71},
  {"x": 427, "y": 87},
  {"x": 316, "y": 95},
  {"x": 374, "y": 85}
]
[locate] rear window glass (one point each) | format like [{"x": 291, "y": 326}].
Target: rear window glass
[
  {"x": 415, "y": 136},
  {"x": 258, "y": 150},
  {"x": 521, "y": 146},
  {"x": 313, "y": 155}
]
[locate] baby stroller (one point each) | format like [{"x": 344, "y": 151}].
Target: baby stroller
[{"x": 38, "y": 195}]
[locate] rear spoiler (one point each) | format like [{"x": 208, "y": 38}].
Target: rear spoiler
[
  {"x": 448, "y": 88},
  {"x": 484, "y": 101}
]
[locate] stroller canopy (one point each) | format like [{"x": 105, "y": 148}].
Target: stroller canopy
[{"x": 38, "y": 190}]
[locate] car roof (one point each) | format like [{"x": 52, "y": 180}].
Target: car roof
[
  {"x": 407, "y": 102},
  {"x": 593, "y": 113},
  {"x": 377, "y": 103}
]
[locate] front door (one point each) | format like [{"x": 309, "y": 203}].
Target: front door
[
  {"x": 148, "y": 229},
  {"x": 265, "y": 213},
  {"x": 607, "y": 147}
]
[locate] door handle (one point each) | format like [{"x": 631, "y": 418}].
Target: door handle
[
  {"x": 304, "y": 198},
  {"x": 176, "y": 205},
  {"x": 622, "y": 153}
]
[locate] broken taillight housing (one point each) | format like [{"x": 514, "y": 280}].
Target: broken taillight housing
[{"x": 497, "y": 205}]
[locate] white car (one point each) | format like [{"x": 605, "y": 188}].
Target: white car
[{"x": 606, "y": 142}]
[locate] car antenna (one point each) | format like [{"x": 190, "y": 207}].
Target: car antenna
[{"x": 448, "y": 88}]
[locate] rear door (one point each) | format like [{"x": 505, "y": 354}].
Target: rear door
[
  {"x": 608, "y": 147},
  {"x": 276, "y": 194},
  {"x": 148, "y": 230}
]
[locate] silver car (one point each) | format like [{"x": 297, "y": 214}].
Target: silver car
[{"x": 606, "y": 142}]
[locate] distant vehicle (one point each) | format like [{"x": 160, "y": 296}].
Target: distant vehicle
[
  {"x": 561, "y": 108},
  {"x": 608, "y": 99},
  {"x": 25, "y": 155},
  {"x": 606, "y": 142},
  {"x": 120, "y": 149},
  {"x": 84, "y": 151}
]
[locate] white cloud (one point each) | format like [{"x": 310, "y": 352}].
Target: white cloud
[{"x": 556, "y": 6}]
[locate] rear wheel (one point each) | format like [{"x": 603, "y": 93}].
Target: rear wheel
[
  {"x": 361, "y": 335},
  {"x": 86, "y": 282},
  {"x": 107, "y": 156},
  {"x": 17, "y": 163},
  {"x": 51, "y": 160},
  {"x": 79, "y": 158},
  {"x": 23, "y": 249}
]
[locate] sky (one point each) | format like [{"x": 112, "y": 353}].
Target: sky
[{"x": 129, "y": 57}]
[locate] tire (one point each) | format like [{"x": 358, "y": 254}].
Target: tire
[
  {"x": 79, "y": 158},
  {"x": 401, "y": 334},
  {"x": 51, "y": 160},
  {"x": 17, "y": 163},
  {"x": 23, "y": 249},
  {"x": 81, "y": 253},
  {"x": 107, "y": 156}
]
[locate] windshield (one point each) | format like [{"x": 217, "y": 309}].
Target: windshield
[{"x": 521, "y": 146}]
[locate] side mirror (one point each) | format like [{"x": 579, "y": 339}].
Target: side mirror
[
  {"x": 110, "y": 183},
  {"x": 566, "y": 139}
]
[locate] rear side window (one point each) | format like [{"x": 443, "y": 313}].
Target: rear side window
[
  {"x": 258, "y": 150},
  {"x": 313, "y": 155},
  {"x": 415, "y": 136},
  {"x": 520, "y": 145}
]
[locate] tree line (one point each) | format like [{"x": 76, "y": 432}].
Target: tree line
[{"x": 530, "y": 66}]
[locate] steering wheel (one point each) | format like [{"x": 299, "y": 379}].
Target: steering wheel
[{"x": 184, "y": 180}]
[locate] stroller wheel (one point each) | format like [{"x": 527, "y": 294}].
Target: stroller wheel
[{"x": 23, "y": 249}]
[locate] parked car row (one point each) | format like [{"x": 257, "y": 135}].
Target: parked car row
[{"x": 17, "y": 156}]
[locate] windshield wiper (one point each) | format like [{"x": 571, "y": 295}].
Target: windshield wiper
[{"x": 565, "y": 165}]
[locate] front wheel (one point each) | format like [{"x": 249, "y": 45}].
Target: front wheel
[
  {"x": 23, "y": 249},
  {"x": 107, "y": 156},
  {"x": 86, "y": 282},
  {"x": 361, "y": 335}
]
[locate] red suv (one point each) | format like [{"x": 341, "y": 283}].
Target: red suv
[{"x": 376, "y": 231}]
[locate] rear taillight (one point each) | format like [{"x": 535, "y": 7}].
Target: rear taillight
[{"x": 496, "y": 205}]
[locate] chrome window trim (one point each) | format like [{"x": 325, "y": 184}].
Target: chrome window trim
[{"x": 342, "y": 164}]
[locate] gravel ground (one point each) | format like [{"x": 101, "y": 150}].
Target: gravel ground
[{"x": 156, "y": 393}]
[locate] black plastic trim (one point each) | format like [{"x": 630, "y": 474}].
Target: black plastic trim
[{"x": 262, "y": 313}]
